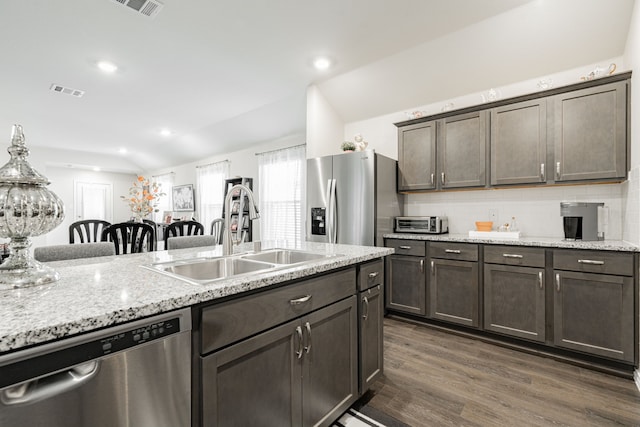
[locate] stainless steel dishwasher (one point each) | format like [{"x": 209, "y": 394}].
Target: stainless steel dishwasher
[{"x": 137, "y": 374}]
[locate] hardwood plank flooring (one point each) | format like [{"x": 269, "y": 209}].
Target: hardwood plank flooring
[{"x": 434, "y": 378}]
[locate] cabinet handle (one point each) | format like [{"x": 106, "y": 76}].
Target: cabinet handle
[
  {"x": 431, "y": 179},
  {"x": 590, "y": 261},
  {"x": 558, "y": 282},
  {"x": 299, "y": 335},
  {"x": 365, "y": 308},
  {"x": 433, "y": 268},
  {"x": 540, "y": 283},
  {"x": 421, "y": 266},
  {"x": 558, "y": 170},
  {"x": 373, "y": 275},
  {"x": 442, "y": 178},
  {"x": 307, "y": 348},
  {"x": 542, "y": 172},
  {"x": 512, "y": 256},
  {"x": 404, "y": 247},
  {"x": 301, "y": 300},
  {"x": 452, "y": 251}
]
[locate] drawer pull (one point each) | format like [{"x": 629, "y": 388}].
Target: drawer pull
[
  {"x": 558, "y": 170},
  {"x": 512, "y": 256},
  {"x": 404, "y": 247},
  {"x": 300, "y": 345},
  {"x": 442, "y": 178},
  {"x": 558, "y": 282},
  {"x": 422, "y": 266},
  {"x": 540, "y": 283},
  {"x": 453, "y": 251},
  {"x": 590, "y": 262},
  {"x": 542, "y": 174},
  {"x": 300, "y": 300},
  {"x": 433, "y": 268},
  {"x": 373, "y": 275},
  {"x": 431, "y": 179}
]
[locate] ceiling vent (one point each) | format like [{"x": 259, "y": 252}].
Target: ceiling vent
[
  {"x": 67, "y": 90},
  {"x": 148, "y": 8}
]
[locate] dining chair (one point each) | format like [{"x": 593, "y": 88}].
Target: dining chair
[
  {"x": 87, "y": 230},
  {"x": 217, "y": 228},
  {"x": 182, "y": 228},
  {"x": 130, "y": 237},
  {"x": 71, "y": 251},
  {"x": 181, "y": 242},
  {"x": 156, "y": 229}
]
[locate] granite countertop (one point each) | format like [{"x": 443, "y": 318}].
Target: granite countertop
[
  {"x": 545, "y": 242},
  {"x": 96, "y": 292}
]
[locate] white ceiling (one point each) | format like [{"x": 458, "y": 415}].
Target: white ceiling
[{"x": 224, "y": 75}]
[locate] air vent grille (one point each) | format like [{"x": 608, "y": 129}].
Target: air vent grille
[
  {"x": 67, "y": 90},
  {"x": 148, "y": 8}
]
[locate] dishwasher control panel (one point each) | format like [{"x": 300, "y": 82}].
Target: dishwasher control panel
[{"x": 140, "y": 335}]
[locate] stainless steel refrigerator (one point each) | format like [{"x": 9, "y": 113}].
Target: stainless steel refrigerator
[{"x": 351, "y": 198}]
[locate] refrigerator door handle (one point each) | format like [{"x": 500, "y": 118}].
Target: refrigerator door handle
[
  {"x": 327, "y": 217},
  {"x": 333, "y": 233}
]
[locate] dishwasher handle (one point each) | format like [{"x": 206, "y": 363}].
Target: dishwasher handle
[{"x": 40, "y": 389}]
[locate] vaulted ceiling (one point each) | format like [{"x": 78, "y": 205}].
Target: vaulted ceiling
[{"x": 223, "y": 75}]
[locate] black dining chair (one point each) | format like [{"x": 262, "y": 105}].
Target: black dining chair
[
  {"x": 217, "y": 228},
  {"x": 156, "y": 233},
  {"x": 87, "y": 230},
  {"x": 182, "y": 228},
  {"x": 131, "y": 237}
]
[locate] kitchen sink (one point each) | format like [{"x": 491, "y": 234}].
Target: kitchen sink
[
  {"x": 285, "y": 256},
  {"x": 203, "y": 270}
]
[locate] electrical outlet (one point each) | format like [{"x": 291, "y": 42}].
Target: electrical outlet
[{"x": 493, "y": 215}]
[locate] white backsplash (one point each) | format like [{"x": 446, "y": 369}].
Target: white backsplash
[{"x": 537, "y": 210}]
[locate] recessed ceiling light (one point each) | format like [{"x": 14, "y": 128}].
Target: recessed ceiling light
[
  {"x": 122, "y": 151},
  {"x": 322, "y": 63},
  {"x": 96, "y": 169},
  {"x": 107, "y": 67},
  {"x": 166, "y": 132}
]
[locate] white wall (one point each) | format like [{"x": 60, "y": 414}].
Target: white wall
[
  {"x": 324, "y": 126},
  {"x": 631, "y": 189}
]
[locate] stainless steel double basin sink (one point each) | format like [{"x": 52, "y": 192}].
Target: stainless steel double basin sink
[{"x": 204, "y": 270}]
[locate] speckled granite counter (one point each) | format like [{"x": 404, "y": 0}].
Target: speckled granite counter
[
  {"x": 96, "y": 292},
  {"x": 544, "y": 242}
]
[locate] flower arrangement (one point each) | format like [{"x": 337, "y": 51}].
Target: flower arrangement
[
  {"x": 348, "y": 146},
  {"x": 143, "y": 197}
]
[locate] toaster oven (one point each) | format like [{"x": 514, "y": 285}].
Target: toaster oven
[{"x": 422, "y": 224}]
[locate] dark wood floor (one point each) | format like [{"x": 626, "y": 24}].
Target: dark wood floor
[{"x": 434, "y": 378}]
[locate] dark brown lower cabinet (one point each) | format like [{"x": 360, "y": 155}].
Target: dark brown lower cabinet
[
  {"x": 302, "y": 373},
  {"x": 514, "y": 301},
  {"x": 594, "y": 313},
  {"x": 406, "y": 284},
  {"x": 371, "y": 313},
  {"x": 453, "y": 291}
]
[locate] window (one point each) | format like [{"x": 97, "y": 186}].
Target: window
[
  {"x": 210, "y": 191},
  {"x": 281, "y": 181},
  {"x": 164, "y": 203}
]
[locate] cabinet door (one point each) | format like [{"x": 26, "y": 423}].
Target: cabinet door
[
  {"x": 330, "y": 370},
  {"x": 519, "y": 143},
  {"x": 453, "y": 291},
  {"x": 262, "y": 373},
  {"x": 417, "y": 156},
  {"x": 590, "y": 137},
  {"x": 462, "y": 151},
  {"x": 593, "y": 313},
  {"x": 514, "y": 302},
  {"x": 371, "y": 312},
  {"x": 406, "y": 284}
]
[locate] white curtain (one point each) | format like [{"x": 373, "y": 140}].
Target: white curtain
[
  {"x": 282, "y": 175},
  {"x": 210, "y": 192},
  {"x": 165, "y": 204}
]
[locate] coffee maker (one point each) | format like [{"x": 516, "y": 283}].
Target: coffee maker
[{"x": 583, "y": 221}]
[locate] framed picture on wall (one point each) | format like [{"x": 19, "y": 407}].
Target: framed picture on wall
[{"x": 183, "y": 200}]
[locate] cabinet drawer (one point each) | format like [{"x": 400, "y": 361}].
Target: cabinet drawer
[
  {"x": 514, "y": 255},
  {"x": 460, "y": 251},
  {"x": 620, "y": 264},
  {"x": 407, "y": 247},
  {"x": 371, "y": 274},
  {"x": 229, "y": 322}
]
